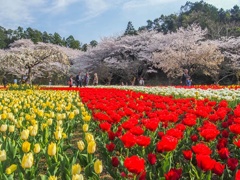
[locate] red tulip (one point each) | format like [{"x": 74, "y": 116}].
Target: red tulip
[
  {"x": 110, "y": 147},
  {"x": 201, "y": 149},
  {"x": 232, "y": 163},
  {"x": 237, "y": 143},
  {"x": 194, "y": 138},
  {"x": 111, "y": 135},
  {"x": 237, "y": 176},
  {"x": 115, "y": 161},
  {"x": 152, "y": 159},
  {"x": 204, "y": 162},
  {"x": 143, "y": 140},
  {"x": 167, "y": 143},
  {"x": 134, "y": 164},
  {"x": 218, "y": 168},
  {"x": 187, "y": 154},
  {"x": 223, "y": 153},
  {"x": 173, "y": 174},
  {"x": 128, "y": 139}
]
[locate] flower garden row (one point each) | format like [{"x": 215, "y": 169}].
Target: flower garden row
[
  {"x": 46, "y": 135},
  {"x": 138, "y": 135},
  {"x": 148, "y": 136}
]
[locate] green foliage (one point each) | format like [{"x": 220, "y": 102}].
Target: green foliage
[
  {"x": 9, "y": 36},
  {"x": 219, "y": 22},
  {"x": 130, "y": 29}
]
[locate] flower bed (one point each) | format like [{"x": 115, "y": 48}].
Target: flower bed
[
  {"x": 137, "y": 132},
  {"x": 46, "y": 134},
  {"x": 148, "y": 136}
]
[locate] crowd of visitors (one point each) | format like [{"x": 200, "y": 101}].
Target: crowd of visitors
[{"x": 82, "y": 80}]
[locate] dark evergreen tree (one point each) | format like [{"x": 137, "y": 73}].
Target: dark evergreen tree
[
  {"x": 72, "y": 43},
  {"x": 3, "y": 38},
  {"x": 84, "y": 47},
  {"x": 93, "y": 43},
  {"x": 130, "y": 29}
]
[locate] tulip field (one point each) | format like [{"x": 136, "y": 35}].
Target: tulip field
[{"x": 120, "y": 132}]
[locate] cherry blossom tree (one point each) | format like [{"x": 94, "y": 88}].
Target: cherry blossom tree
[
  {"x": 128, "y": 57},
  {"x": 123, "y": 56},
  {"x": 230, "y": 48},
  {"x": 24, "y": 58},
  {"x": 187, "y": 48}
]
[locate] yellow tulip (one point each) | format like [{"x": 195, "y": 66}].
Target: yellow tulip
[
  {"x": 19, "y": 123},
  {"x": 52, "y": 178},
  {"x": 87, "y": 118},
  {"x": 64, "y": 135},
  {"x": 98, "y": 168},
  {"x": 43, "y": 126},
  {"x": 71, "y": 115},
  {"x": 89, "y": 137},
  {"x": 76, "y": 169},
  {"x": 91, "y": 147},
  {"x": 52, "y": 115},
  {"x": 33, "y": 121},
  {"x": 30, "y": 128},
  {"x": 37, "y": 148},
  {"x": 11, "y": 128},
  {"x": 63, "y": 115},
  {"x": 26, "y": 146},
  {"x": 3, "y": 155},
  {"x": 80, "y": 145},
  {"x": 3, "y": 128},
  {"x": 77, "y": 177},
  {"x": 52, "y": 149},
  {"x": 10, "y": 116},
  {"x": 27, "y": 117},
  {"x": 25, "y": 134},
  {"x": 59, "y": 117},
  {"x": 34, "y": 130},
  {"x": 4, "y": 116},
  {"x": 40, "y": 113},
  {"x": 59, "y": 123},
  {"x": 58, "y": 135},
  {"x": 76, "y": 111},
  {"x": 11, "y": 169},
  {"x": 27, "y": 160},
  {"x": 85, "y": 127},
  {"x": 49, "y": 121}
]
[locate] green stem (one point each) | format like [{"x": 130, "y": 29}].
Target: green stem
[{"x": 89, "y": 158}]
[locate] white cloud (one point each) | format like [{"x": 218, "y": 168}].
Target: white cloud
[
  {"x": 16, "y": 12},
  {"x": 59, "y": 5},
  {"x": 93, "y": 9},
  {"x": 144, "y": 3}
]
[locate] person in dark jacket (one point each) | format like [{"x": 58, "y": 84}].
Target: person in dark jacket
[
  {"x": 184, "y": 77},
  {"x": 78, "y": 80},
  {"x": 4, "y": 81}
]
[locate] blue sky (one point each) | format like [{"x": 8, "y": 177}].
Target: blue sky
[{"x": 89, "y": 20}]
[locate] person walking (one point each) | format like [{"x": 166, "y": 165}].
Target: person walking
[
  {"x": 70, "y": 81},
  {"x": 4, "y": 81},
  {"x": 141, "y": 82},
  {"x": 95, "y": 79},
  {"x": 87, "y": 79},
  {"x": 184, "y": 77},
  {"x": 188, "y": 81},
  {"x": 78, "y": 80}
]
